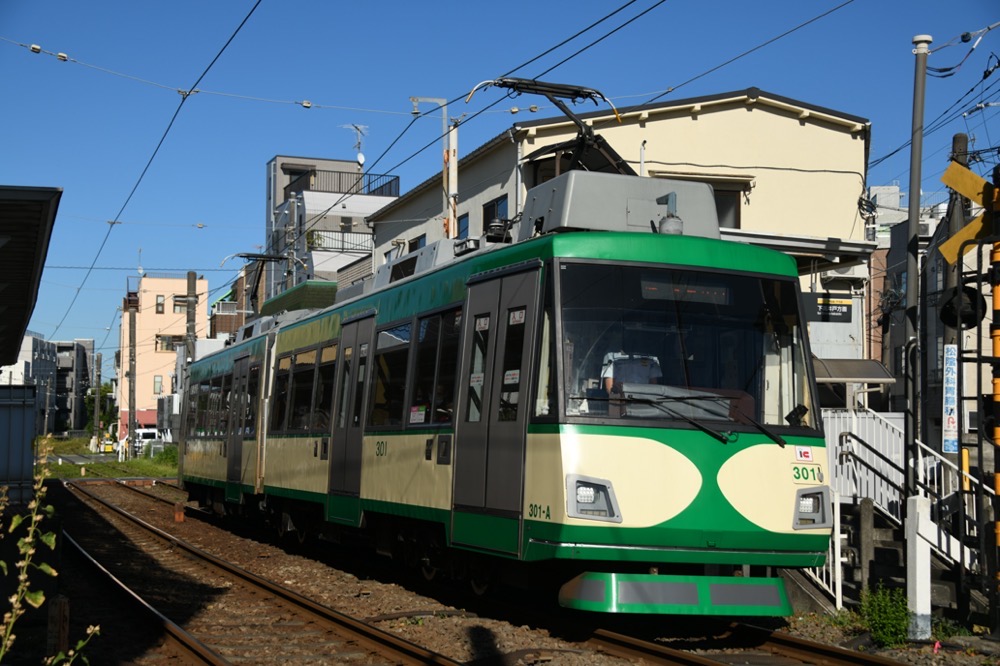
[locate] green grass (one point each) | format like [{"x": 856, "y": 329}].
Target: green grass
[{"x": 164, "y": 464}]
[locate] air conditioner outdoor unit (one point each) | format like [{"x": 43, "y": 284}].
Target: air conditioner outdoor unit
[{"x": 855, "y": 272}]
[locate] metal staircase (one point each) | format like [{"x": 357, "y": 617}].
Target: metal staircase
[{"x": 867, "y": 462}]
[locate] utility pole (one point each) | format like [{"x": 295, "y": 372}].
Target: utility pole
[
  {"x": 97, "y": 400},
  {"x": 449, "y": 172},
  {"x": 912, "y": 359},
  {"x": 917, "y": 552},
  {"x": 192, "y": 305},
  {"x": 133, "y": 306}
]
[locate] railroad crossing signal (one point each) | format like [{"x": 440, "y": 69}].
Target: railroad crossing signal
[{"x": 977, "y": 189}]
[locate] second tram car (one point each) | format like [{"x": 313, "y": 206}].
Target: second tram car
[{"x": 632, "y": 411}]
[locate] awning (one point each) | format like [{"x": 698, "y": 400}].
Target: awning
[
  {"x": 27, "y": 215},
  {"x": 851, "y": 371}
]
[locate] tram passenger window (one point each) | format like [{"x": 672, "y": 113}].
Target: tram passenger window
[
  {"x": 192, "y": 411},
  {"x": 250, "y": 413},
  {"x": 433, "y": 384},
  {"x": 301, "y": 391},
  {"x": 279, "y": 398},
  {"x": 425, "y": 363},
  {"x": 546, "y": 370},
  {"x": 204, "y": 390},
  {"x": 392, "y": 349},
  {"x": 324, "y": 387},
  {"x": 214, "y": 398}
]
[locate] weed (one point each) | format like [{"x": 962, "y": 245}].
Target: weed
[
  {"x": 886, "y": 615},
  {"x": 30, "y": 538}
]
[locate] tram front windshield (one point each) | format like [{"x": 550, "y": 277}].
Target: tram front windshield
[{"x": 655, "y": 343}]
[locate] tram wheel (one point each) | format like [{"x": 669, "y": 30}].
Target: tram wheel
[
  {"x": 480, "y": 585},
  {"x": 428, "y": 572}
]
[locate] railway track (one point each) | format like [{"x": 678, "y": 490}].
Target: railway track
[
  {"x": 223, "y": 615},
  {"x": 740, "y": 644}
]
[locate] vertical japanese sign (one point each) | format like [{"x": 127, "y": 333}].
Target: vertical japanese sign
[{"x": 949, "y": 411}]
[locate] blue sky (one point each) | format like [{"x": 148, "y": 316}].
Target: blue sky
[{"x": 90, "y": 124}]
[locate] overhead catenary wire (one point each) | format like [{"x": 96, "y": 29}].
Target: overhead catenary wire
[{"x": 149, "y": 162}]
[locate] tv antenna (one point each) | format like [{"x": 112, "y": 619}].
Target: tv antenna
[{"x": 359, "y": 132}]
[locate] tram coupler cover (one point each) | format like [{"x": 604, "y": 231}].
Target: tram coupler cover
[{"x": 675, "y": 595}]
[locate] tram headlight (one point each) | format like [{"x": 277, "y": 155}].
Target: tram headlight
[
  {"x": 809, "y": 503},
  {"x": 812, "y": 508},
  {"x": 592, "y": 499}
]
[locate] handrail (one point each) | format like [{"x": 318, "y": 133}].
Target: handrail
[{"x": 875, "y": 469}]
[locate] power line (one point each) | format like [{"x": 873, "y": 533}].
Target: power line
[{"x": 184, "y": 98}]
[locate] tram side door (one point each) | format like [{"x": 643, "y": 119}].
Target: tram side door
[
  {"x": 345, "y": 455},
  {"x": 234, "y": 435},
  {"x": 490, "y": 430}
]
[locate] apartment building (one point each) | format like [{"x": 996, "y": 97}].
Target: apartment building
[
  {"x": 315, "y": 219},
  {"x": 160, "y": 305}
]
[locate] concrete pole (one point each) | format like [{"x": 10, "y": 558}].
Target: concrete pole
[
  {"x": 133, "y": 305},
  {"x": 191, "y": 310},
  {"x": 445, "y": 205},
  {"x": 918, "y": 560},
  {"x": 453, "y": 180},
  {"x": 917, "y": 552},
  {"x": 921, "y": 43}
]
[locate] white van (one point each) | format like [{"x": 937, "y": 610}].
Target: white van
[{"x": 142, "y": 437}]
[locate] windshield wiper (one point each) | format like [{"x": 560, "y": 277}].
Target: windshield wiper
[
  {"x": 775, "y": 437},
  {"x": 724, "y": 437}
]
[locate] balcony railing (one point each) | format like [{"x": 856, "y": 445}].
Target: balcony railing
[
  {"x": 344, "y": 182},
  {"x": 339, "y": 241}
]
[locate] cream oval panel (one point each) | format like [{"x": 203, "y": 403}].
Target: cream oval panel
[
  {"x": 653, "y": 482},
  {"x": 758, "y": 483}
]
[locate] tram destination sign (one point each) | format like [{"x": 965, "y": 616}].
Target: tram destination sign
[{"x": 823, "y": 307}]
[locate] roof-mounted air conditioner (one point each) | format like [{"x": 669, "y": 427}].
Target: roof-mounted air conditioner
[{"x": 855, "y": 272}]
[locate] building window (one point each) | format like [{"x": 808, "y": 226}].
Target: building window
[
  {"x": 463, "y": 226},
  {"x": 167, "y": 343},
  {"x": 180, "y": 303},
  {"x": 495, "y": 210},
  {"x": 417, "y": 243},
  {"x": 727, "y": 203},
  {"x": 157, "y": 384},
  {"x": 160, "y": 300}
]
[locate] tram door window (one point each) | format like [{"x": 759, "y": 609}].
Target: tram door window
[
  {"x": 510, "y": 387},
  {"x": 347, "y": 436},
  {"x": 301, "y": 391},
  {"x": 279, "y": 397},
  {"x": 192, "y": 411},
  {"x": 490, "y": 433},
  {"x": 325, "y": 382},
  {"x": 225, "y": 395},
  {"x": 253, "y": 395},
  {"x": 477, "y": 369},
  {"x": 447, "y": 369},
  {"x": 345, "y": 383},
  {"x": 232, "y": 440}
]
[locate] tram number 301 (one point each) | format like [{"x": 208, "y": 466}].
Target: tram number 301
[
  {"x": 807, "y": 474},
  {"x": 539, "y": 511},
  {"x": 381, "y": 448}
]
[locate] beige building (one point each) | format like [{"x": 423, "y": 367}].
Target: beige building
[
  {"x": 161, "y": 304},
  {"x": 786, "y": 174}
]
